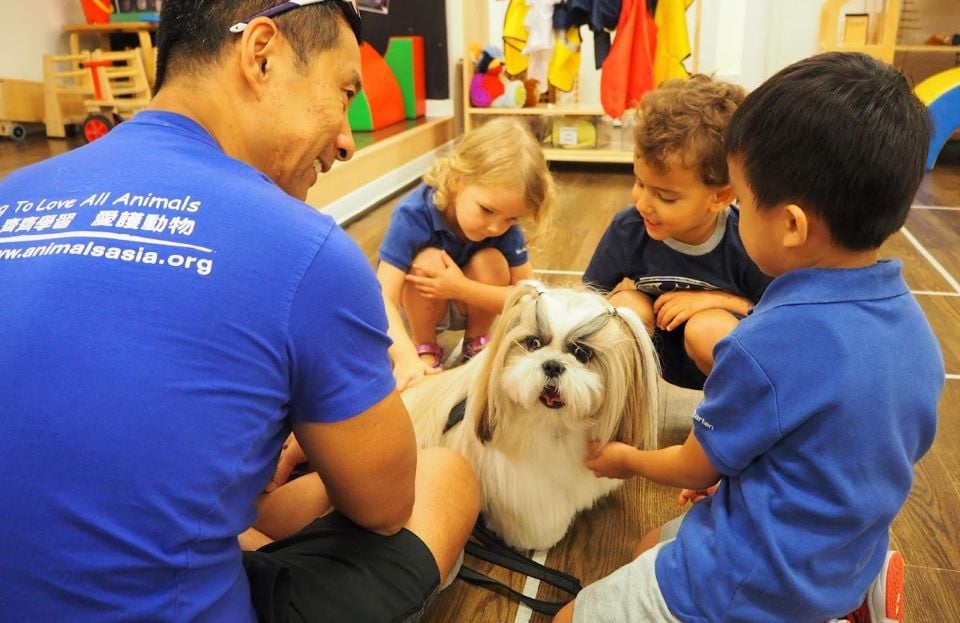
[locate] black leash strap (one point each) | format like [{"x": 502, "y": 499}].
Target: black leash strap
[{"x": 490, "y": 548}]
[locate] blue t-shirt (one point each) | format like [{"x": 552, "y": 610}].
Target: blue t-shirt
[
  {"x": 818, "y": 406},
  {"x": 660, "y": 266},
  {"x": 416, "y": 224},
  {"x": 167, "y": 311}
]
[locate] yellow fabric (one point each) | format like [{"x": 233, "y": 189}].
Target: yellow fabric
[
  {"x": 515, "y": 38},
  {"x": 565, "y": 64},
  {"x": 673, "y": 43}
]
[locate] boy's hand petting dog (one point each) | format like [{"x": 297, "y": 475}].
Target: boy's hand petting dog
[
  {"x": 611, "y": 460},
  {"x": 290, "y": 456},
  {"x": 435, "y": 283},
  {"x": 695, "y": 495}
]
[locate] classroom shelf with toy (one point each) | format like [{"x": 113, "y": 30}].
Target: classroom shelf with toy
[{"x": 570, "y": 131}]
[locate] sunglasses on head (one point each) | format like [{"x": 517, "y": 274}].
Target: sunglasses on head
[{"x": 289, "y": 6}]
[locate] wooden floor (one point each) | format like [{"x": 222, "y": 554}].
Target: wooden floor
[{"x": 927, "y": 530}]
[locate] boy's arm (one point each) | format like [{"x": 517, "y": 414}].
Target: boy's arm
[
  {"x": 685, "y": 466},
  {"x": 674, "y": 308}
]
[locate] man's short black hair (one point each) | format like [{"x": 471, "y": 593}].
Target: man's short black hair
[
  {"x": 192, "y": 33},
  {"x": 839, "y": 134}
]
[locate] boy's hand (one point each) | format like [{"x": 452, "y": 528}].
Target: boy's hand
[
  {"x": 611, "y": 460},
  {"x": 675, "y": 308},
  {"x": 695, "y": 495},
  {"x": 438, "y": 284}
]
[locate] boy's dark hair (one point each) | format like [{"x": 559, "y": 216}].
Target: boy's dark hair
[
  {"x": 192, "y": 33},
  {"x": 686, "y": 119},
  {"x": 839, "y": 134}
]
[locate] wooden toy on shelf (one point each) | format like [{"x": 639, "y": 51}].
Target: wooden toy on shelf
[
  {"x": 21, "y": 104},
  {"x": 111, "y": 85}
]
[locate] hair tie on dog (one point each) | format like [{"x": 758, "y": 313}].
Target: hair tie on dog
[{"x": 612, "y": 311}]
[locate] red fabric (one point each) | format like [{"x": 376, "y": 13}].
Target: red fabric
[{"x": 628, "y": 69}]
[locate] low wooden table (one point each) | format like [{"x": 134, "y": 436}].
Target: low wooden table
[{"x": 103, "y": 31}]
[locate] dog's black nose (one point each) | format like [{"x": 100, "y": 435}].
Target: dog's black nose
[{"x": 552, "y": 368}]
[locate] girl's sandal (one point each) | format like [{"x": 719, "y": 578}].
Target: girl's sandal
[
  {"x": 473, "y": 346},
  {"x": 432, "y": 349}
]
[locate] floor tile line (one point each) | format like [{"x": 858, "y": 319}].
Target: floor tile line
[
  {"x": 933, "y": 261},
  {"x": 530, "y": 588},
  {"x": 926, "y": 207}
]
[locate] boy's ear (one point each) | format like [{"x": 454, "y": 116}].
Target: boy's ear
[
  {"x": 722, "y": 198},
  {"x": 796, "y": 226}
]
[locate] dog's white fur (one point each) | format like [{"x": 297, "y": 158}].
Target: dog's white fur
[{"x": 528, "y": 456}]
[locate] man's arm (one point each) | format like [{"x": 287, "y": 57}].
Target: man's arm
[{"x": 367, "y": 464}]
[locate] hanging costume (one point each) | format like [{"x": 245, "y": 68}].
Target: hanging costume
[
  {"x": 628, "y": 69},
  {"x": 673, "y": 43}
]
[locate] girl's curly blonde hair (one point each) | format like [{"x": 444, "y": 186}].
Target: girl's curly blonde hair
[
  {"x": 687, "y": 119},
  {"x": 501, "y": 153}
]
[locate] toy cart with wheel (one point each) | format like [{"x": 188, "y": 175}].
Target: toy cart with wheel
[
  {"x": 21, "y": 106},
  {"x": 95, "y": 91},
  {"x": 120, "y": 90}
]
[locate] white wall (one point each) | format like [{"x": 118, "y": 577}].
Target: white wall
[{"x": 31, "y": 28}]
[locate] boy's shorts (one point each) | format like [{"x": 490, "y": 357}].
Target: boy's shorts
[
  {"x": 630, "y": 593},
  {"x": 676, "y": 366},
  {"x": 334, "y": 570}
]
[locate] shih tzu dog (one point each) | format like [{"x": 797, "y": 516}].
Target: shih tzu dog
[{"x": 562, "y": 367}]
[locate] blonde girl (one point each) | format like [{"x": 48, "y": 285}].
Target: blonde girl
[{"x": 454, "y": 246}]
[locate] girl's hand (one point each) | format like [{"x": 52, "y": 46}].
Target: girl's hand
[
  {"x": 443, "y": 284},
  {"x": 611, "y": 460},
  {"x": 675, "y": 308},
  {"x": 695, "y": 495}
]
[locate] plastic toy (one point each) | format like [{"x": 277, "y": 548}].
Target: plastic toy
[
  {"x": 941, "y": 93},
  {"x": 381, "y": 101}
]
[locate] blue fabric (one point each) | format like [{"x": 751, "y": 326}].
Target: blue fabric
[
  {"x": 818, "y": 406},
  {"x": 602, "y": 16},
  {"x": 416, "y": 224},
  {"x": 152, "y": 366},
  {"x": 659, "y": 266}
]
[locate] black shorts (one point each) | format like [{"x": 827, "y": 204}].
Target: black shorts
[
  {"x": 676, "y": 366},
  {"x": 334, "y": 570}
]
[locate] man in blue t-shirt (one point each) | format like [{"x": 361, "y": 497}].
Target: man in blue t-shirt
[
  {"x": 173, "y": 310},
  {"x": 823, "y": 399}
]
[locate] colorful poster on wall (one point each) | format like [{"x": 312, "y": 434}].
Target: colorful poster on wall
[{"x": 375, "y": 6}]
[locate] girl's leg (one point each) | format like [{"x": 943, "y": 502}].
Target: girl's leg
[
  {"x": 490, "y": 267},
  {"x": 423, "y": 314},
  {"x": 702, "y": 332}
]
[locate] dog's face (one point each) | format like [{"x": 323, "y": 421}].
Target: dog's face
[{"x": 565, "y": 361}]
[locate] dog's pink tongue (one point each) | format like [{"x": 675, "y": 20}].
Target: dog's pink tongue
[{"x": 551, "y": 398}]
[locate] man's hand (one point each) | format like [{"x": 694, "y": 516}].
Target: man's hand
[
  {"x": 611, "y": 460},
  {"x": 290, "y": 456},
  {"x": 408, "y": 370},
  {"x": 431, "y": 283}
]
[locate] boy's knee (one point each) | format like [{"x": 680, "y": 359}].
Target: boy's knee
[{"x": 636, "y": 302}]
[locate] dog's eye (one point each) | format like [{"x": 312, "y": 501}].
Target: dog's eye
[
  {"x": 582, "y": 353},
  {"x": 532, "y": 342}
]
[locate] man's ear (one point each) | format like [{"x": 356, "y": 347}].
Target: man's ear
[
  {"x": 796, "y": 226},
  {"x": 258, "y": 47}
]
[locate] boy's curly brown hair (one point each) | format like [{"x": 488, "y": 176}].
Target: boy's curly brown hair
[{"x": 686, "y": 119}]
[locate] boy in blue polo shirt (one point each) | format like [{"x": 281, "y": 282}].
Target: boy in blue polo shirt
[{"x": 821, "y": 401}]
